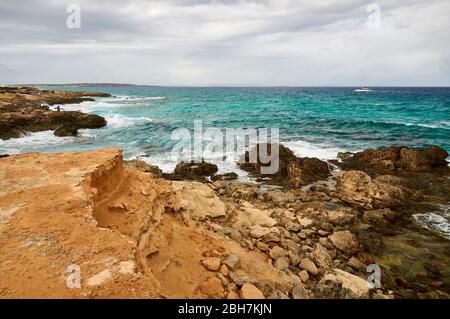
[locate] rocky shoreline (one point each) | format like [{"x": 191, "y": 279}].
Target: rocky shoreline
[
  {"x": 306, "y": 232},
  {"x": 27, "y": 109}
]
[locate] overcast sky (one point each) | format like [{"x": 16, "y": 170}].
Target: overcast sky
[{"x": 226, "y": 42}]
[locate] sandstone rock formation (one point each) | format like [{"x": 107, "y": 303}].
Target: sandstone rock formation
[
  {"x": 123, "y": 231},
  {"x": 142, "y": 166},
  {"x": 292, "y": 170},
  {"x": 396, "y": 160},
  {"x": 358, "y": 188},
  {"x": 27, "y": 110},
  {"x": 303, "y": 171},
  {"x": 198, "y": 200},
  {"x": 133, "y": 233},
  {"x": 194, "y": 170}
]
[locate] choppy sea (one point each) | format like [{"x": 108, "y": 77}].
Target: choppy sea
[{"x": 315, "y": 122}]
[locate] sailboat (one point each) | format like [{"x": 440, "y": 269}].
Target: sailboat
[{"x": 363, "y": 89}]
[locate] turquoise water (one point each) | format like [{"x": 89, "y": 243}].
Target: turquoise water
[{"x": 312, "y": 121}]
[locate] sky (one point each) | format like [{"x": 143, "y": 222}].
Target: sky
[{"x": 227, "y": 43}]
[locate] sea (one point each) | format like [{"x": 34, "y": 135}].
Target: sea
[{"x": 312, "y": 121}]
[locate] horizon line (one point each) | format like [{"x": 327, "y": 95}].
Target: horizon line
[{"x": 219, "y": 86}]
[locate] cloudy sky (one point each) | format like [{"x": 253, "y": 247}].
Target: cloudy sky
[{"x": 227, "y": 42}]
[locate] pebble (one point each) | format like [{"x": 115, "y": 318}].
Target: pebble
[
  {"x": 278, "y": 294},
  {"x": 356, "y": 264},
  {"x": 309, "y": 266},
  {"x": 212, "y": 287},
  {"x": 224, "y": 270},
  {"x": 232, "y": 262},
  {"x": 282, "y": 263},
  {"x": 212, "y": 263},
  {"x": 262, "y": 246},
  {"x": 249, "y": 291},
  {"x": 277, "y": 252},
  {"x": 299, "y": 292},
  {"x": 303, "y": 276}
]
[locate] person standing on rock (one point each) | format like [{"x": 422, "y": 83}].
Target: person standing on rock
[{"x": 58, "y": 109}]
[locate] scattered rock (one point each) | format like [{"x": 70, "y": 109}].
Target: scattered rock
[
  {"x": 212, "y": 287},
  {"x": 272, "y": 238},
  {"x": 224, "y": 270},
  {"x": 278, "y": 294},
  {"x": 325, "y": 243},
  {"x": 378, "y": 217},
  {"x": 258, "y": 231},
  {"x": 352, "y": 286},
  {"x": 299, "y": 292},
  {"x": 342, "y": 216},
  {"x": 232, "y": 262},
  {"x": 249, "y": 291},
  {"x": 305, "y": 221},
  {"x": 211, "y": 263},
  {"x": 356, "y": 264},
  {"x": 282, "y": 263},
  {"x": 262, "y": 246},
  {"x": 303, "y": 276},
  {"x": 239, "y": 277},
  {"x": 379, "y": 295},
  {"x": 232, "y": 295},
  {"x": 322, "y": 256},
  {"x": 253, "y": 216},
  {"x": 345, "y": 241},
  {"x": 309, "y": 266},
  {"x": 294, "y": 258},
  {"x": 277, "y": 252}
]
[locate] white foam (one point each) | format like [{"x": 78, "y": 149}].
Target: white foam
[
  {"x": 438, "y": 221},
  {"x": 439, "y": 124},
  {"x": 306, "y": 149},
  {"x": 167, "y": 162},
  {"x": 32, "y": 141},
  {"x": 118, "y": 120}
]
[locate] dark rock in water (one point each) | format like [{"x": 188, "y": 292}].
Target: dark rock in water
[
  {"x": 303, "y": 171},
  {"x": 396, "y": 160},
  {"x": 292, "y": 170},
  {"x": 253, "y": 163},
  {"x": 192, "y": 171},
  {"x": 66, "y": 130},
  {"x": 225, "y": 177},
  {"x": 4, "y": 155}
]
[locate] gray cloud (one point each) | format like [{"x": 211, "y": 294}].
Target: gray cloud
[{"x": 237, "y": 42}]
